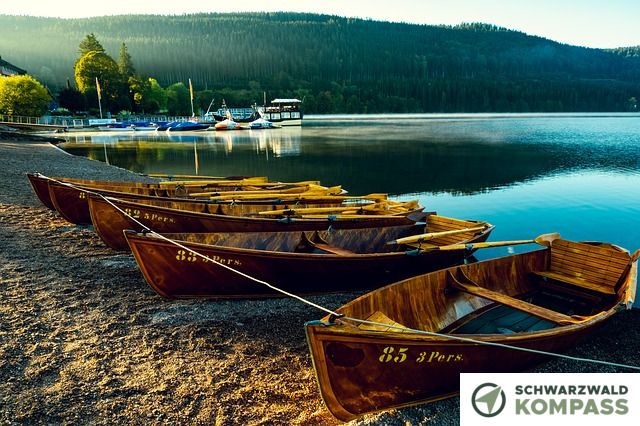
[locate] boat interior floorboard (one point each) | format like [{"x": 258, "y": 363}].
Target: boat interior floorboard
[
  {"x": 565, "y": 304},
  {"x": 501, "y": 319}
]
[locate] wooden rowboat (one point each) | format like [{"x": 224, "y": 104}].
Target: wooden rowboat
[
  {"x": 545, "y": 300},
  {"x": 185, "y": 188},
  {"x": 40, "y": 185},
  {"x": 298, "y": 262},
  {"x": 109, "y": 221},
  {"x": 71, "y": 202}
]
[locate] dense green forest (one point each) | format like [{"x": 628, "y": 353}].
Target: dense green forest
[{"x": 339, "y": 64}]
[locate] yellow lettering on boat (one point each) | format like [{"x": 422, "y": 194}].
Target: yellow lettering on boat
[
  {"x": 134, "y": 213},
  {"x": 387, "y": 355},
  {"x": 82, "y": 195},
  {"x": 152, "y": 217},
  {"x": 191, "y": 257},
  {"x": 435, "y": 356},
  {"x": 184, "y": 255},
  {"x": 226, "y": 260},
  {"x": 181, "y": 255}
]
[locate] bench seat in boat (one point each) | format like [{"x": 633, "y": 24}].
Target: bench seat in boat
[{"x": 594, "y": 268}]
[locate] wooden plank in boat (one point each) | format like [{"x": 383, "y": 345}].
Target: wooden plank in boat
[
  {"x": 588, "y": 269},
  {"x": 504, "y": 299},
  {"x": 333, "y": 250},
  {"x": 558, "y": 287},
  {"x": 587, "y": 266},
  {"x": 435, "y": 219},
  {"x": 590, "y": 258},
  {"x": 441, "y": 223},
  {"x": 381, "y": 318},
  {"x": 582, "y": 248},
  {"x": 589, "y": 285}
]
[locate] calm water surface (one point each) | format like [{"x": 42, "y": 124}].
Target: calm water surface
[{"x": 575, "y": 174}]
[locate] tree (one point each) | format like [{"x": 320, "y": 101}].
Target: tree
[
  {"x": 139, "y": 89},
  {"x": 23, "y": 95},
  {"x": 89, "y": 44},
  {"x": 156, "y": 100},
  {"x": 99, "y": 65},
  {"x": 72, "y": 99},
  {"x": 178, "y": 101},
  {"x": 125, "y": 63}
]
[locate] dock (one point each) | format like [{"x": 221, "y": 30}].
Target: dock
[{"x": 32, "y": 123}]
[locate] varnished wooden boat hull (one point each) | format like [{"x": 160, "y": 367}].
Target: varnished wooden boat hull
[
  {"x": 358, "y": 383},
  {"x": 71, "y": 202},
  {"x": 176, "y": 273},
  {"x": 110, "y": 223},
  {"x": 40, "y": 187},
  {"x": 361, "y": 371}
]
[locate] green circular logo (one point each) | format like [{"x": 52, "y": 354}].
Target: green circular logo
[{"x": 488, "y": 394}]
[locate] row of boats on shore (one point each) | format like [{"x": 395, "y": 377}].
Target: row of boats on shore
[{"x": 432, "y": 311}]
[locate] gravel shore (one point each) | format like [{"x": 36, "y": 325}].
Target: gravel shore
[{"x": 84, "y": 340}]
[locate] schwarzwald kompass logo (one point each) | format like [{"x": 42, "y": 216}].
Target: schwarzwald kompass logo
[{"x": 488, "y": 400}]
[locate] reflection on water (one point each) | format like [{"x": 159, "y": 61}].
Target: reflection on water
[
  {"x": 466, "y": 154},
  {"x": 575, "y": 174}
]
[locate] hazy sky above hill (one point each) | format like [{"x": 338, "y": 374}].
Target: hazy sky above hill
[{"x": 593, "y": 23}]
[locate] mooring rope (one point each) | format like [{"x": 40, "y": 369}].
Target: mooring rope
[
  {"x": 341, "y": 317},
  {"x": 482, "y": 342},
  {"x": 176, "y": 243}
]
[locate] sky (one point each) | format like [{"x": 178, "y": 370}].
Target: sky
[{"x": 592, "y": 23}]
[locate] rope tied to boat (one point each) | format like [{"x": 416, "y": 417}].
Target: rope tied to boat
[
  {"x": 335, "y": 317},
  {"x": 207, "y": 258},
  {"x": 482, "y": 342}
]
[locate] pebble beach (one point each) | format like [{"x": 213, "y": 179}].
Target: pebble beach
[{"x": 84, "y": 339}]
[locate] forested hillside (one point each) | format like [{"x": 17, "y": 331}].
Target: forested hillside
[{"x": 340, "y": 64}]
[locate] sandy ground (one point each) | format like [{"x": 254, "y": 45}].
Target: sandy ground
[{"x": 84, "y": 340}]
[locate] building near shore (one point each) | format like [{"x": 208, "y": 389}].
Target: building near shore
[{"x": 7, "y": 69}]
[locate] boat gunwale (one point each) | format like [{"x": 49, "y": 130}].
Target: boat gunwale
[
  {"x": 621, "y": 303},
  {"x": 294, "y": 255},
  {"x": 399, "y": 218}
]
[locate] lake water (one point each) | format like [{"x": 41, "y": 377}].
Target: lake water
[{"x": 527, "y": 174}]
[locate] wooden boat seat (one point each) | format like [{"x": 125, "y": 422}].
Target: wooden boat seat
[
  {"x": 594, "y": 268},
  {"x": 317, "y": 244},
  {"x": 469, "y": 286},
  {"x": 333, "y": 249},
  {"x": 437, "y": 223},
  {"x": 379, "y": 317}
]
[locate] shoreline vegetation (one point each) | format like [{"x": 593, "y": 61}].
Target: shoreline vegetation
[
  {"x": 334, "y": 64},
  {"x": 84, "y": 340}
]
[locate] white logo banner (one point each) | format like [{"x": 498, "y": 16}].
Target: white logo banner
[{"x": 548, "y": 399}]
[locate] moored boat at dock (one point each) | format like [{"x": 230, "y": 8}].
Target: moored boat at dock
[
  {"x": 284, "y": 112},
  {"x": 187, "y": 126}
]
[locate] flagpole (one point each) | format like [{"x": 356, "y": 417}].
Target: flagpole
[
  {"x": 99, "y": 97},
  {"x": 195, "y": 156},
  {"x": 193, "y": 114}
]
